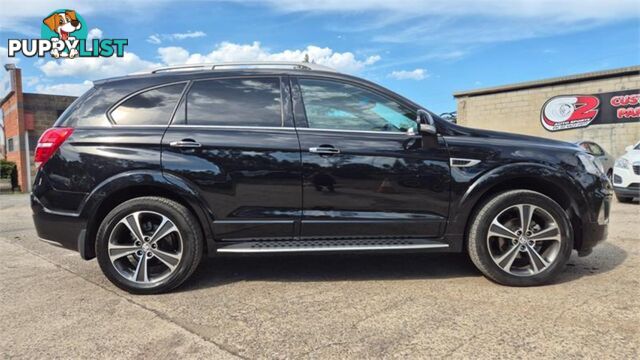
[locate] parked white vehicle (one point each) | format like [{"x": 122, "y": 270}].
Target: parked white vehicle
[{"x": 626, "y": 175}]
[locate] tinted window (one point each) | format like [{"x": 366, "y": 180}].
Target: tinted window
[
  {"x": 152, "y": 107},
  {"x": 335, "y": 105},
  {"x": 238, "y": 102}
]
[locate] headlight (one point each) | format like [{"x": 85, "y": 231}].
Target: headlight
[
  {"x": 590, "y": 164},
  {"x": 623, "y": 163}
]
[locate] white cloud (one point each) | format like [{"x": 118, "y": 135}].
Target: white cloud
[
  {"x": 417, "y": 74},
  {"x": 158, "y": 38},
  {"x": 96, "y": 68},
  {"x": 569, "y": 10},
  {"x": 464, "y": 25},
  {"x": 227, "y": 51},
  {"x": 72, "y": 89},
  {"x": 154, "y": 39},
  {"x": 94, "y": 33}
]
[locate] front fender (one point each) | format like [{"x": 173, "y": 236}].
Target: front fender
[{"x": 473, "y": 189}]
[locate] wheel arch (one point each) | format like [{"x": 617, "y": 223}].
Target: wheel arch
[
  {"x": 113, "y": 191},
  {"x": 544, "y": 179}
]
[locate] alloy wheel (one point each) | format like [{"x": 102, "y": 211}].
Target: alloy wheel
[
  {"x": 145, "y": 247},
  {"x": 524, "y": 240}
]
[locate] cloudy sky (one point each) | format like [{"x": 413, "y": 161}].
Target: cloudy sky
[{"x": 423, "y": 49}]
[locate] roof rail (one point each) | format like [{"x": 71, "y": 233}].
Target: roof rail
[{"x": 216, "y": 66}]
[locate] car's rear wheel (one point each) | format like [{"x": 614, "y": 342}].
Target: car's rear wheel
[
  {"x": 149, "y": 245},
  {"x": 520, "y": 238}
]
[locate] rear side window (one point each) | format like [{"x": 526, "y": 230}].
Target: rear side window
[
  {"x": 235, "y": 102},
  {"x": 152, "y": 107}
]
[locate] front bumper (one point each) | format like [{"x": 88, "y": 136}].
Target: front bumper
[
  {"x": 630, "y": 192},
  {"x": 592, "y": 234},
  {"x": 594, "y": 228}
]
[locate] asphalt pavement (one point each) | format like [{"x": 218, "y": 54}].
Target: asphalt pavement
[{"x": 55, "y": 305}]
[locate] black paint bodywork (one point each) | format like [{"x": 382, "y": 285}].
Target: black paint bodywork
[{"x": 249, "y": 183}]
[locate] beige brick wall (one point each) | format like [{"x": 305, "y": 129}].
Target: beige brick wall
[{"x": 519, "y": 112}]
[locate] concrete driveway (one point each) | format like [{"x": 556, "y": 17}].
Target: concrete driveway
[{"x": 54, "y": 304}]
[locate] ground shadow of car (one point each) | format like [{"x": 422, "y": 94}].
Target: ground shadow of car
[{"x": 365, "y": 267}]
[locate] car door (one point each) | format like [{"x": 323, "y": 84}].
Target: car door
[
  {"x": 366, "y": 174},
  {"x": 233, "y": 139}
]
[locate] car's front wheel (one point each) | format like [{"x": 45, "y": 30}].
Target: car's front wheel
[
  {"x": 520, "y": 238},
  {"x": 149, "y": 245}
]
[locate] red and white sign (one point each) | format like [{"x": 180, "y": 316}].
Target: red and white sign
[{"x": 569, "y": 112}]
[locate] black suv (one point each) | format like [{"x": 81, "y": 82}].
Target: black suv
[{"x": 150, "y": 172}]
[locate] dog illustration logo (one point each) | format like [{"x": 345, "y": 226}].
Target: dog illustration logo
[{"x": 63, "y": 25}]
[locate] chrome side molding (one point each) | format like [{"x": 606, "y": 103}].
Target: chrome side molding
[{"x": 460, "y": 162}]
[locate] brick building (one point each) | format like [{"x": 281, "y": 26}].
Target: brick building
[
  {"x": 523, "y": 108},
  {"x": 25, "y": 117}
]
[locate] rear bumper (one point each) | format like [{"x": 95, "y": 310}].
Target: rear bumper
[{"x": 61, "y": 229}]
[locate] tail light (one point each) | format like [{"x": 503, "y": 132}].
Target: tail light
[{"x": 49, "y": 143}]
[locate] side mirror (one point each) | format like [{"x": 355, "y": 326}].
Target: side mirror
[
  {"x": 426, "y": 124},
  {"x": 628, "y": 148}
]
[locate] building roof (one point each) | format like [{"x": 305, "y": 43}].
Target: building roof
[
  {"x": 10, "y": 93},
  {"x": 596, "y": 75}
]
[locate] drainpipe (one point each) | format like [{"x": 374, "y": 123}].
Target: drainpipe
[{"x": 28, "y": 155}]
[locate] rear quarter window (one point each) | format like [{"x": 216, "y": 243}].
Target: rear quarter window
[{"x": 150, "y": 107}]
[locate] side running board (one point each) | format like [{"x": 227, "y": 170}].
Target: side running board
[{"x": 330, "y": 245}]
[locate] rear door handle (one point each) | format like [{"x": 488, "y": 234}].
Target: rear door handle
[
  {"x": 324, "y": 149},
  {"x": 185, "y": 143}
]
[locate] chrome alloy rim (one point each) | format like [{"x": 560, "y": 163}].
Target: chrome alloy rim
[
  {"x": 524, "y": 240},
  {"x": 145, "y": 247}
]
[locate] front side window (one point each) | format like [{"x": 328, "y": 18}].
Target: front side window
[
  {"x": 235, "y": 102},
  {"x": 337, "y": 105},
  {"x": 152, "y": 107}
]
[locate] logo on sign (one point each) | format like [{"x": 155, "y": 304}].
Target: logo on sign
[{"x": 569, "y": 112}]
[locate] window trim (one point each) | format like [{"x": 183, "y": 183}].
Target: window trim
[
  {"x": 352, "y": 83},
  {"x": 135, "y": 93},
  {"x": 268, "y": 76}
]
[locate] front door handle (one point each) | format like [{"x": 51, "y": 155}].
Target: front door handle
[
  {"x": 185, "y": 143},
  {"x": 324, "y": 149}
]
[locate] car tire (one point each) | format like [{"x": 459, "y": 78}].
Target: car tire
[
  {"x": 149, "y": 245},
  {"x": 624, "y": 199},
  {"x": 506, "y": 253}
]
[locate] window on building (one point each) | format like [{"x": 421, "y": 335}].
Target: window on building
[
  {"x": 337, "y": 105},
  {"x": 153, "y": 107},
  {"x": 10, "y": 145},
  {"x": 235, "y": 102}
]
